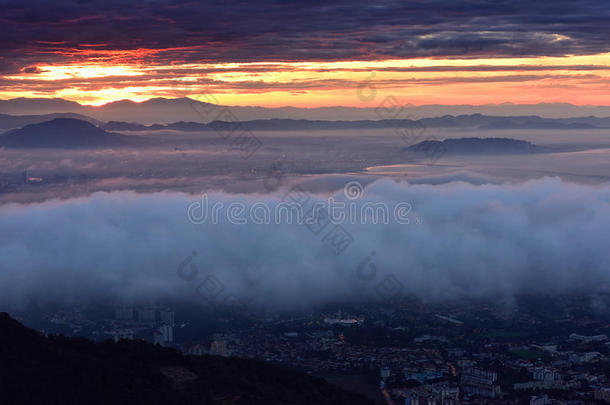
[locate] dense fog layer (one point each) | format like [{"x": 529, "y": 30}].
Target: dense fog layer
[{"x": 449, "y": 240}]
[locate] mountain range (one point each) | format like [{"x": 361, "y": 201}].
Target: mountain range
[
  {"x": 165, "y": 110},
  {"x": 470, "y": 122},
  {"x": 73, "y": 133}
]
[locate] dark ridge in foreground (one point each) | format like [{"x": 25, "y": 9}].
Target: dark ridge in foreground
[
  {"x": 62, "y": 133},
  {"x": 476, "y": 146},
  {"x": 59, "y": 370}
]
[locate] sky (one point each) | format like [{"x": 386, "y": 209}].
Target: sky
[{"x": 307, "y": 54}]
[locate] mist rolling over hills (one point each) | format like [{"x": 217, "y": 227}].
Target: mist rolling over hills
[{"x": 305, "y": 203}]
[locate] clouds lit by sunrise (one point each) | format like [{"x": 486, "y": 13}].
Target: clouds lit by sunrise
[{"x": 307, "y": 55}]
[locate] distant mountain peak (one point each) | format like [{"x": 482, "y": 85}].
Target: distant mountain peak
[{"x": 61, "y": 133}]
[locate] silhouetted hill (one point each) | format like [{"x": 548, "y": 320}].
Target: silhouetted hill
[
  {"x": 58, "y": 370},
  {"x": 61, "y": 133},
  {"x": 471, "y": 146},
  {"x": 18, "y": 121}
]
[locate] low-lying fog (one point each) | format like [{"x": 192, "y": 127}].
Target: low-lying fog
[
  {"x": 193, "y": 162},
  {"x": 477, "y": 225}
]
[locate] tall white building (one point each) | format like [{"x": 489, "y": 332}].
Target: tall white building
[
  {"x": 164, "y": 335},
  {"x": 167, "y": 317}
]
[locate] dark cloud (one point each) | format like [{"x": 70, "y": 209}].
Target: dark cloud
[
  {"x": 189, "y": 31},
  {"x": 32, "y": 69},
  {"x": 488, "y": 68}
]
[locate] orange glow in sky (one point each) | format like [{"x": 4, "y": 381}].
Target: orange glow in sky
[{"x": 105, "y": 77}]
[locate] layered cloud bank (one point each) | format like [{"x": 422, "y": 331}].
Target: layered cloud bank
[
  {"x": 307, "y": 53},
  {"x": 456, "y": 240}
]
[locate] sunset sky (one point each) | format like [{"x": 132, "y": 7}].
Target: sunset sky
[{"x": 307, "y": 54}]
